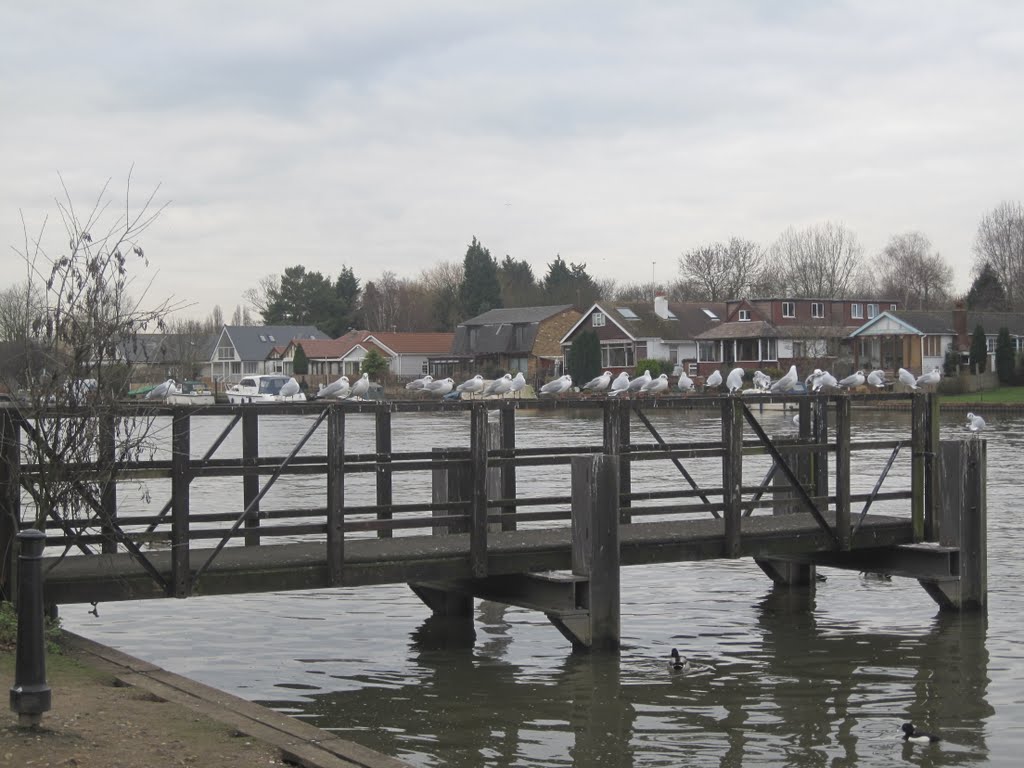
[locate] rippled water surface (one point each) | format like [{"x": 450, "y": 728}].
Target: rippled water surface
[{"x": 783, "y": 679}]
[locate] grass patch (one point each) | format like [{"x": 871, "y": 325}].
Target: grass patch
[
  {"x": 1001, "y": 396},
  {"x": 9, "y": 630}
]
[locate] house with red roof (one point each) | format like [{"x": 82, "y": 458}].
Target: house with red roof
[{"x": 406, "y": 352}]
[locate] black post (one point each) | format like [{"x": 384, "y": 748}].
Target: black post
[
  {"x": 10, "y": 499},
  {"x": 843, "y": 531},
  {"x": 335, "y": 495},
  {"x": 30, "y": 694},
  {"x": 181, "y": 478},
  {"x": 478, "y": 493},
  {"x": 108, "y": 494},
  {"x": 732, "y": 473},
  {"x": 251, "y": 478},
  {"x": 382, "y": 429},
  {"x": 508, "y": 471}
]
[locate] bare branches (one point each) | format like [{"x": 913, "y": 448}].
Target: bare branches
[
  {"x": 819, "y": 262},
  {"x": 721, "y": 271},
  {"x": 907, "y": 270},
  {"x": 1000, "y": 243}
]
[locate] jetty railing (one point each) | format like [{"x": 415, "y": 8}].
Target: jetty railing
[{"x": 481, "y": 489}]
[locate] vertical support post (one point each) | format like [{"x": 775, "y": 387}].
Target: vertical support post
[
  {"x": 493, "y": 476},
  {"x": 251, "y": 478},
  {"x": 732, "y": 473},
  {"x": 625, "y": 465},
  {"x": 108, "y": 494},
  {"x": 595, "y": 543},
  {"x": 613, "y": 446},
  {"x": 919, "y": 446},
  {"x": 30, "y": 694},
  {"x": 181, "y": 478},
  {"x": 933, "y": 498},
  {"x": 782, "y": 572},
  {"x": 843, "y": 530},
  {"x": 478, "y": 498},
  {"x": 962, "y": 523},
  {"x": 820, "y": 435},
  {"x": 439, "y": 489},
  {"x": 10, "y": 500},
  {"x": 508, "y": 471},
  {"x": 384, "y": 495},
  {"x": 335, "y": 495},
  {"x": 804, "y": 411}
]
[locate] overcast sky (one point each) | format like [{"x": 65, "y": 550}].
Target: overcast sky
[{"x": 387, "y": 135}]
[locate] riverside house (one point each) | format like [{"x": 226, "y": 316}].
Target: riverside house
[
  {"x": 244, "y": 350},
  {"x": 407, "y": 353}
]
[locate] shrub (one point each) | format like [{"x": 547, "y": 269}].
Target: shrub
[
  {"x": 1005, "y": 362},
  {"x": 9, "y": 629},
  {"x": 656, "y": 367},
  {"x": 979, "y": 351}
]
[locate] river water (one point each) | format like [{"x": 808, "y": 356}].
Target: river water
[{"x": 822, "y": 678}]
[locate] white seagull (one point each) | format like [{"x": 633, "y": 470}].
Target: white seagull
[
  {"x": 639, "y": 382},
  {"x": 975, "y": 423},
  {"x": 932, "y": 377},
  {"x": 825, "y": 380},
  {"x": 440, "y": 387},
  {"x": 557, "y": 386},
  {"x": 685, "y": 383},
  {"x": 876, "y": 379},
  {"x": 907, "y": 378},
  {"x": 762, "y": 380},
  {"x": 289, "y": 389},
  {"x": 656, "y": 386},
  {"x": 734, "y": 382},
  {"x": 599, "y": 383},
  {"x": 471, "y": 386},
  {"x": 362, "y": 386},
  {"x": 787, "y": 382},
  {"x": 853, "y": 380},
  {"x": 337, "y": 388},
  {"x": 419, "y": 383},
  {"x": 499, "y": 386},
  {"x": 714, "y": 380},
  {"x": 620, "y": 384},
  {"x": 161, "y": 390},
  {"x": 518, "y": 383},
  {"x": 809, "y": 381}
]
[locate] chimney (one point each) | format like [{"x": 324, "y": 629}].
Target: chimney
[
  {"x": 661, "y": 305},
  {"x": 962, "y": 341}
]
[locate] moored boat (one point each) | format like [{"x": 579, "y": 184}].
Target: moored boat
[
  {"x": 264, "y": 388},
  {"x": 191, "y": 393}
]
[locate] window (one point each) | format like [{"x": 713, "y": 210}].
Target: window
[
  {"x": 872, "y": 310},
  {"x": 743, "y": 315},
  {"x": 708, "y": 351},
  {"x": 691, "y": 369},
  {"x": 226, "y": 353},
  {"x": 263, "y": 338},
  {"x": 641, "y": 350},
  {"x": 747, "y": 349},
  {"x": 271, "y": 338},
  {"x": 520, "y": 334},
  {"x": 932, "y": 346},
  {"x": 799, "y": 350},
  {"x": 856, "y": 312},
  {"x": 249, "y": 366},
  {"x": 424, "y": 367},
  {"x": 711, "y": 315},
  {"x": 817, "y": 309},
  {"x": 617, "y": 355},
  {"x": 597, "y": 319},
  {"x": 517, "y": 364},
  {"x": 627, "y": 313},
  {"x": 769, "y": 349},
  {"x": 789, "y": 309},
  {"x": 236, "y": 368},
  {"x": 990, "y": 344},
  {"x": 892, "y": 307}
]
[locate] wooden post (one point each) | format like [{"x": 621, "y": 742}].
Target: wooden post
[
  {"x": 962, "y": 523},
  {"x": 508, "y": 471},
  {"x": 335, "y": 495},
  {"x": 10, "y": 500},
  {"x": 919, "y": 446},
  {"x": 933, "y": 491},
  {"x": 108, "y": 494},
  {"x": 625, "y": 465},
  {"x": 785, "y": 573},
  {"x": 181, "y": 478},
  {"x": 478, "y": 498},
  {"x": 595, "y": 543},
  {"x": 493, "y": 475},
  {"x": 732, "y": 473},
  {"x": 614, "y": 443},
  {"x": 384, "y": 495},
  {"x": 820, "y": 435},
  {"x": 843, "y": 532},
  {"x": 251, "y": 478}
]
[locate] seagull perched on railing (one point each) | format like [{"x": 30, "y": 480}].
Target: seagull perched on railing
[
  {"x": 853, "y": 380},
  {"x": 975, "y": 423},
  {"x": 161, "y": 390},
  {"x": 825, "y": 380},
  {"x": 639, "y": 382},
  {"x": 934, "y": 376},
  {"x": 500, "y": 385},
  {"x": 518, "y": 383},
  {"x": 362, "y": 386},
  {"x": 685, "y": 383},
  {"x": 557, "y": 386},
  {"x": 599, "y": 383},
  {"x": 656, "y": 386},
  {"x": 714, "y": 380},
  {"x": 289, "y": 389},
  {"x": 471, "y": 386},
  {"x": 337, "y": 389},
  {"x": 440, "y": 387},
  {"x": 877, "y": 379},
  {"x": 419, "y": 383},
  {"x": 907, "y": 378},
  {"x": 619, "y": 385},
  {"x": 734, "y": 383},
  {"x": 787, "y": 382},
  {"x": 762, "y": 380}
]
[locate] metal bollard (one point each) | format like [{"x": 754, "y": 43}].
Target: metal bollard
[{"x": 30, "y": 694}]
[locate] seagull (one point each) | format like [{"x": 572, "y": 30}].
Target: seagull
[
  {"x": 470, "y": 386},
  {"x": 639, "y": 382},
  {"x": 735, "y": 381},
  {"x": 910, "y": 733},
  {"x": 678, "y": 663},
  {"x": 907, "y": 378},
  {"x": 656, "y": 386},
  {"x": 787, "y": 382},
  {"x": 557, "y": 386},
  {"x": 500, "y": 385},
  {"x": 932, "y": 377},
  {"x": 161, "y": 391},
  {"x": 796, "y": 419},
  {"x": 289, "y": 389},
  {"x": 853, "y": 380},
  {"x": 599, "y": 383},
  {"x": 825, "y": 380},
  {"x": 440, "y": 386},
  {"x": 517, "y": 383},
  {"x": 419, "y": 383},
  {"x": 876, "y": 379},
  {"x": 762, "y": 380},
  {"x": 337, "y": 388},
  {"x": 685, "y": 383},
  {"x": 809, "y": 381},
  {"x": 362, "y": 386},
  {"x": 620, "y": 384},
  {"x": 714, "y": 380},
  {"x": 975, "y": 423}
]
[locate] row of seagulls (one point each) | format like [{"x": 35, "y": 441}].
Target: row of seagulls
[
  {"x": 933, "y": 377},
  {"x": 340, "y": 389},
  {"x": 420, "y": 383}
]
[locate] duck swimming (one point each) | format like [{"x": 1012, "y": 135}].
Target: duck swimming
[
  {"x": 677, "y": 663},
  {"x": 910, "y": 733}
]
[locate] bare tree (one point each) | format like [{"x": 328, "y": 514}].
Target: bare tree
[
  {"x": 441, "y": 283},
  {"x": 262, "y": 294},
  {"x": 216, "y": 319},
  {"x": 820, "y": 262},
  {"x": 721, "y": 271},
  {"x": 907, "y": 270},
  {"x": 18, "y": 304},
  {"x": 1000, "y": 243}
]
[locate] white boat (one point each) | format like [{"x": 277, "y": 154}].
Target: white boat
[
  {"x": 261, "y": 389},
  {"x": 191, "y": 393}
]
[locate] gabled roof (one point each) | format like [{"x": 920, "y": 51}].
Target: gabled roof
[
  {"x": 516, "y": 315},
  {"x": 925, "y": 322},
  {"x": 158, "y": 348},
  {"x": 323, "y": 349},
  {"x": 638, "y": 320},
  {"x": 741, "y": 329},
  {"x": 510, "y": 331},
  {"x": 255, "y": 342}
]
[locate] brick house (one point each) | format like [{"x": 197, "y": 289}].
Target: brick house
[
  {"x": 407, "y": 353},
  {"x": 777, "y": 333},
  {"x": 509, "y": 340},
  {"x": 632, "y": 331}
]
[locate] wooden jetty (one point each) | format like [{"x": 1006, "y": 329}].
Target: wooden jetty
[{"x": 483, "y": 535}]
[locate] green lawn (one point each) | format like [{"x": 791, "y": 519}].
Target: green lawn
[{"x": 1008, "y": 395}]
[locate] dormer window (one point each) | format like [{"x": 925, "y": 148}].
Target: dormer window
[
  {"x": 597, "y": 319},
  {"x": 743, "y": 315}
]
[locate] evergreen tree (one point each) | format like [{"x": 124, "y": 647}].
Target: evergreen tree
[
  {"x": 300, "y": 363},
  {"x": 1005, "y": 357},
  {"x": 346, "y": 291},
  {"x": 569, "y": 284},
  {"x": 480, "y": 289},
  {"x": 987, "y": 291},
  {"x": 304, "y": 298},
  {"x": 584, "y": 357},
  {"x": 374, "y": 364},
  {"x": 518, "y": 286},
  {"x": 979, "y": 351}
]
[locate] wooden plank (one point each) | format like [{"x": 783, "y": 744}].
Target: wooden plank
[
  {"x": 478, "y": 491},
  {"x": 843, "y": 532},
  {"x": 180, "y": 584},
  {"x": 335, "y": 496},
  {"x": 251, "y": 478},
  {"x": 382, "y": 429},
  {"x": 732, "y": 473}
]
